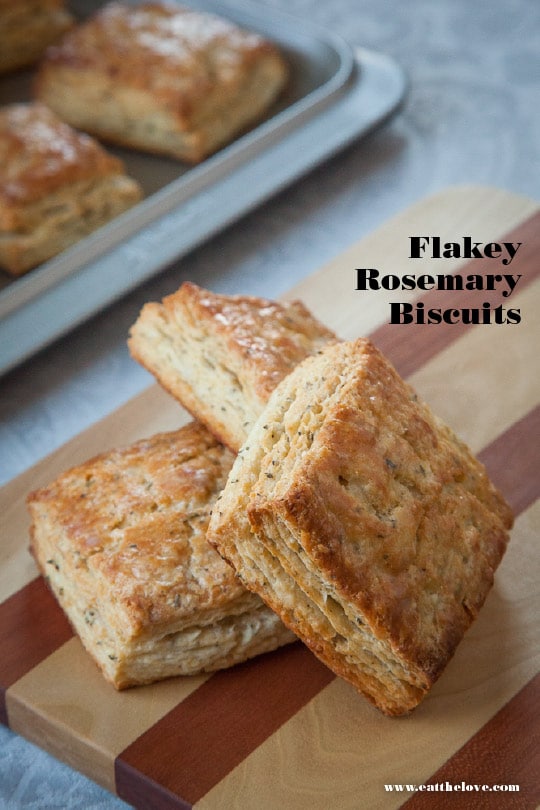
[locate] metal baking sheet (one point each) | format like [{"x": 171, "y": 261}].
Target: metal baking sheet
[{"x": 335, "y": 96}]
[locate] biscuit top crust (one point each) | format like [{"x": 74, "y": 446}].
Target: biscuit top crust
[
  {"x": 265, "y": 339},
  {"x": 51, "y": 5},
  {"x": 165, "y": 49},
  {"x": 136, "y": 518},
  {"x": 39, "y": 154},
  {"x": 388, "y": 504}
]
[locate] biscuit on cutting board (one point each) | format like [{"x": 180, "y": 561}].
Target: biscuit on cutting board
[
  {"x": 56, "y": 186},
  {"x": 122, "y": 542},
  {"x": 27, "y": 28},
  {"x": 221, "y": 356},
  {"x": 161, "y": 78},
  {"x": 362, "y": 520}
]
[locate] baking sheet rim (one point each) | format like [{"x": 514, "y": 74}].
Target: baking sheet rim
[
  {"x": 21, "y": 291},
  {"x": 23, "y": 334}
]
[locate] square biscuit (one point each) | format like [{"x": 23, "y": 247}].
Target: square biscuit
[
  {"x": 56, "y": 186},
  {"x": 362, "y": 520},
  {"x": 161, "y": 78},
  {"x": 27, "y": 28},
  {"x": 121, "y": 540},
  {"x": 221, "y": 356}
]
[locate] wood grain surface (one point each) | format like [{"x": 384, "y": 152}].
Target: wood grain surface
[
  {"x": 509, "y": 744},
  {"x": 281, "y": 730}
]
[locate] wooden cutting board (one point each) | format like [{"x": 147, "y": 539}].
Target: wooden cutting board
[{"x": 282, "y": 731}]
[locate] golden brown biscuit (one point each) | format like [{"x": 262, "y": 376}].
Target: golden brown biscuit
[
  {"x": 221, "y": 356},
  {"x": 363, "y": 521},
  {"x": 56, "y": 186},
  {"x": 161, "y": 78},
  {"x": 121, "y": 540},
  {"x": 27, "y": 28}
]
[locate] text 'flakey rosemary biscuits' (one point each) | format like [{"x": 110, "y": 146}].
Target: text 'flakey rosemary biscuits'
[
  {"x": 56, "y": 186},
  {"x": 364, "y": 522},
  {"x": 161, "y": 78},
  {"x": 122, "y": 542},
  {"x": 221, "y": 356}
]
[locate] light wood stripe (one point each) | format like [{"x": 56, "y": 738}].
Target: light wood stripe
[
  {"x": 330, "y": 292},
  {"x": 195, "y": 782},
  {"x": 338, "y": 751},
  {"x": 460, "y": 382},
  {"x": 411, "y": 346},
  {"x": 32, "y": 626},
  {"x": 150, "y": 412},
  {"x": 448, "y": 213},
  {"x": 515, "y": 760},
  {"x": 330, "y": 297},
  {"x": 218, "y": 726},
  {"x": 67, "y": 702},
  {"x": 208, "y": 756}
]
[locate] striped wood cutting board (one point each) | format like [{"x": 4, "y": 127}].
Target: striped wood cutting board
[{"x": 282, "y": 731}]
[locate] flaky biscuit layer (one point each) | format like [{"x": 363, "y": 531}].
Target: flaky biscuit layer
[
  {"x": 56, "y": 186},
  {"x": 161, "y": 78},
  {"x": 122, "y": 542},
  {"x": 222, "y": 356},
  {"x": 364, "y": 522}
]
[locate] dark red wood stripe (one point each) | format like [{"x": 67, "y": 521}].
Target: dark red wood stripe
[
  {"x": 32, "y": 626},
  {"x": 410, "y": 346},
  {"x": 506, "y": 751},
  {"x": 221, "y": 723},
  {"x": 216, "y": 727},
  {"x": 206, "y": 745},
  {"x": 513, "y": 462}
]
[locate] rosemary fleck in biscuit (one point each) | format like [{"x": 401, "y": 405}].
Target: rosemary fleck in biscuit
[
  {"x": 122, "y": 542},
  {"x": 161, "y": 78},
  {"x": 56, "y": 186},
  {"x": 221, "y": 356},
  {"x": 362, "y": 520}
]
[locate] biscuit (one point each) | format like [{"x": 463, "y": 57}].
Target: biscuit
[
  {"x": 27, "y": 28},
  {"x": 221, "y": 356},
  {"x": 121, "y": 540},
  {"x": 56, "y": 186},
  {"x": 161, "y": 78},
  {"x": 362, "y": 520}
]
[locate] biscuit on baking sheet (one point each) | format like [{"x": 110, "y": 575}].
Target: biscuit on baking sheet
[
  {"x": 362, "y": 520},
  {"x": 161, "y": 78},
  {"x": 27, "y": 28},
  {"x": 56, "y": 186},
  {"x": 221, "y": 356},
  {"x": 122, "y": 542}
]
